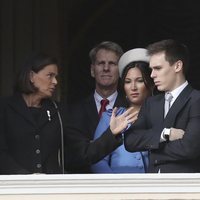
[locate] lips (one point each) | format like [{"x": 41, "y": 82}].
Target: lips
[
  {"x": 52, "y": 89},
  {"x": 156, "y": 83},
  {"x": 135, "y": 94},
  {"x": 106, "y": 76}
]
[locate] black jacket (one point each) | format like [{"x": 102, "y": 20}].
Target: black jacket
[
  {"x": 28, "y": 145},
  {"x": 181, "y": 155}
]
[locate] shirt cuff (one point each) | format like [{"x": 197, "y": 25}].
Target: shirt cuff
[{"x": 165, "y": 135}]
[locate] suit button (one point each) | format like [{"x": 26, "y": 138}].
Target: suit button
[
  {"x": 156, "y": 161},
  {"x": 37, "y": 151},
  {"x": 39, "y": 166},
  {"x": 37, "y": 137}
]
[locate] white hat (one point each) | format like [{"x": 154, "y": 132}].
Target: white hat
[{"x": 137, "y": 54}]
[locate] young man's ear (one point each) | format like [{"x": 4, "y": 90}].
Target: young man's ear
[{"x": 178, "y": 66}]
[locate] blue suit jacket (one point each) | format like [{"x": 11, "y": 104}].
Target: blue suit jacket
[{"x": 120, "y": 160}]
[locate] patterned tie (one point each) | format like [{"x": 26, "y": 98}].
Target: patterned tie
[
  {"x": 104, "y": 103},
  {"x": 168, "y": 99}
]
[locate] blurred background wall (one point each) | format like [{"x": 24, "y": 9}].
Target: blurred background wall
[{"x": 68, "y": 29}]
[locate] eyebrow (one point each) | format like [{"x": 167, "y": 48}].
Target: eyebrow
[{"x": 156, "y": 66}]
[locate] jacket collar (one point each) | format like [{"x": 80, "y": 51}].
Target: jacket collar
[
  {"x": 179, "y": 103},
  {"x": 18, "y": 104}
]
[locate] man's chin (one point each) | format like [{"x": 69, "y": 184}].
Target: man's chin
[
  {"x": 161, "y": 89},
  {"x": 106, "y": 83}
]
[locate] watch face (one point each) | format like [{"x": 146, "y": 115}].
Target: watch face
[{"x": 166, "y": 134}]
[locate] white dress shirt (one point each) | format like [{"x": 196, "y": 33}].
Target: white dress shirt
[
  {"x": 175, "y": 93},
  {"x": 111, "y": 98}
]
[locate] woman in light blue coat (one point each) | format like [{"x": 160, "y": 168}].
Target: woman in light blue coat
[{"x": 137, "y": 85}]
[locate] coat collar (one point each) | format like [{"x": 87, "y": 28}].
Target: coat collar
[{"x": 18, "y": 104}]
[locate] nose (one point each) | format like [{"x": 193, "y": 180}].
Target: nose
[
  {"x": 152, "y": 74},
  {"x": 133, "y": 86},
  {"x": 55, "y": 82},
  {"x": 106, "y": 67}
]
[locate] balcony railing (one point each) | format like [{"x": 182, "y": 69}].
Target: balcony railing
[{"x": 100, "y": 186}]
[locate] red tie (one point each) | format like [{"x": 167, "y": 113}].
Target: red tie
[{"x": 104, "y": 103}]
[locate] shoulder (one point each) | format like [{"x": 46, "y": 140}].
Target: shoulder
[
  {"x": 195, "y": 93},
  {"x": 120, "y": 101},
  {"x": 191, "y": 94},
  {"x": 5, "y": 100},
  {"x": 154, "y": 98},
  {"x": 194, "y": 97}
]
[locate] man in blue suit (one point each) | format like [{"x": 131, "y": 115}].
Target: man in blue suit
[{"x": 173, "y": 138}]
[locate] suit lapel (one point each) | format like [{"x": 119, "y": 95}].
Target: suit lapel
[{"x": 179, "y": 103}]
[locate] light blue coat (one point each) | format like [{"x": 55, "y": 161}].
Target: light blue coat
[{"x": 120, "y": 160}]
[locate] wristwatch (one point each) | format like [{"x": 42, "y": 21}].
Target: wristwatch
[{"x": 167, "y": 134}]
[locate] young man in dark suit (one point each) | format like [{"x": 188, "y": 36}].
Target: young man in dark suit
[
  {"x": 81, "y": 150},
  {"x": 173, "y": 138}
]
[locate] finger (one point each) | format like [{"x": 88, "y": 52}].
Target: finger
[
  {"x": 114, "y": 111},
  {"x": 132, "y": 115},
  {"x": 132, "y": 120},
  {"x": 128, "y": 111}
]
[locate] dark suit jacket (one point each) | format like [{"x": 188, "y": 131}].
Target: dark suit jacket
[
  {"x": 27, "y": 146},
  {"x": 81, "y": 150},
  {"x": 177, "y": 156}
]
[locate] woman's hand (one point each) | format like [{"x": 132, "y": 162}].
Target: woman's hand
[{"x": 119, "y": 123}]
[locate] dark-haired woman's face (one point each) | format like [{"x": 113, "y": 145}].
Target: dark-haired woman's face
[
  {"x": 45, "y": 80},
  {"x": 134, "y": 87}
]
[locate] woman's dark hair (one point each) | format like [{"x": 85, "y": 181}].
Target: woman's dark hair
[
  {"x": 146, "y": 75},
  {"x": 34, "y": 63}
]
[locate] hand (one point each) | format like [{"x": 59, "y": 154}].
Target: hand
[
  {"x": 119, "y": 123},
  {"x": 176, "y": 134}
]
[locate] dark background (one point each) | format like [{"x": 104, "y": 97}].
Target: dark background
[{"x": 68, "y": 29}]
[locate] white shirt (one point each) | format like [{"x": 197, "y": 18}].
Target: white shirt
[
  {"x": 175, "y": 93},
  {"x": 111, "y": 98}
]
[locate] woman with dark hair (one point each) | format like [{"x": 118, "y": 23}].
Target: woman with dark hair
[
  {"x": 137, "y": 85},
  {"x": 30, "y": 131}
]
